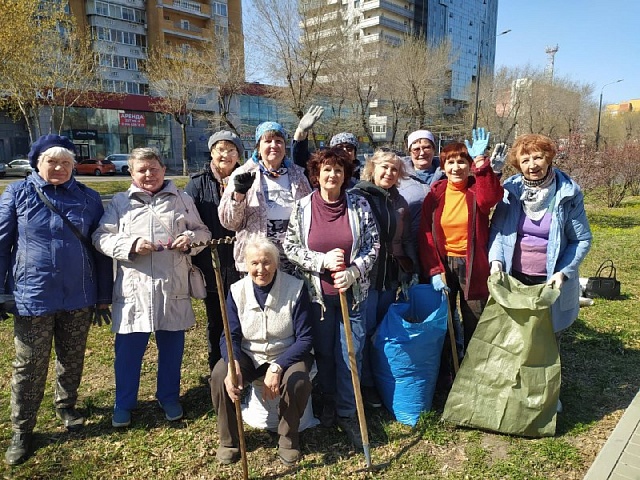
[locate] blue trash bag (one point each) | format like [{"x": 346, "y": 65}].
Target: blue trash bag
[{"x": 406, "y": 352}]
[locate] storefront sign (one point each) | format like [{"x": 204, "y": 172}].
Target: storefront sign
[
  {"x": 84, "y": 134},
  {"x": 132, "y": 120}
]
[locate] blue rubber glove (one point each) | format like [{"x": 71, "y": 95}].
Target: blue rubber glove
[
  {"x": 437, "y": 283},
  {"x": 480, "y": 140}
]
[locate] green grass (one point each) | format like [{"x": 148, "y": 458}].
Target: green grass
[{"x": 600, "y": 376}]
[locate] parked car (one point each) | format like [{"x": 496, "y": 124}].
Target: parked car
[
  {"x": 3, "y": 169},
  {"x": 120, "y": 162},
  {"x": 19, "y": 167},
  {"x": 93, "y": 166}
]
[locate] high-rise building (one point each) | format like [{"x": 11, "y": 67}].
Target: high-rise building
[{"x": 469, "y": 26}]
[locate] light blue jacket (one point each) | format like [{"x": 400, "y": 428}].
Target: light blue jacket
[{"x": 569, "y": 240}]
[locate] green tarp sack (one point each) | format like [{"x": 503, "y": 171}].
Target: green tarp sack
[{"x": 509, "y": 380}]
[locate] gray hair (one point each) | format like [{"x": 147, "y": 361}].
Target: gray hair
[
  {"x": 263, "y": 244},
  {"x": 144, "y": 153},
  {"x": 381, "y": 156},
  {"x": 57, "y": 152}
]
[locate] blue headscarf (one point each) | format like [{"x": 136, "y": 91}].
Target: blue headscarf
[{"x": 261, "y": 129}]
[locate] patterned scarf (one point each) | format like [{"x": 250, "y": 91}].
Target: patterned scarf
[
  {"x": 538, "y": 194},
  {"x": 270, "y": 172}
]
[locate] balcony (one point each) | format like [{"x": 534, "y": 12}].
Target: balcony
[
  {"x": 385, "y": 22},
  {"x": 387, "y": 6},
  {"x": 189, "y": 7},
  {"x": 185, "y": 31}
]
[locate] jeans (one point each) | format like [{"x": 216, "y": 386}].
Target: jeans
[{"x": 330, "y": 347}]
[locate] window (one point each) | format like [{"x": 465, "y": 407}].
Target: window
[
  {"x": 184, "y": 24},
  {"x": 102, "y": 8},
  {"x": 220, "y": 9},
  {"x": 128, "y": 14}
]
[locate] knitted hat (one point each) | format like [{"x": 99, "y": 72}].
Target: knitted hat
[
  {"x": 44, "y": 143},
  {"x": 229, "y": 137},
  {"x": 418, "y": 134},
  {"x": 344, "y": 137},
  {"x": 265, "y": 127}
]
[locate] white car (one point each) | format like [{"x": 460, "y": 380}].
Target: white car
[
  {"x": 20, "y": 167},
  {"x": 120, "y": 161}
]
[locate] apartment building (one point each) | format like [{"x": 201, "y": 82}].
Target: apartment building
[
  {"x": 469, "y": 26},
  {"x": 123, "y": 33}
]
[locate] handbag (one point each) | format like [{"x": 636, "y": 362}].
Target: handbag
[
  {"x": 604, "y": 284},
  {"x": 197, "y": 283}
]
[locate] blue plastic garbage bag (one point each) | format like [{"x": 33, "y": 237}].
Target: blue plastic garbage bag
[{"x": 406, "y": 352}]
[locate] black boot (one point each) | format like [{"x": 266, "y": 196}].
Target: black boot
[{"x": 19, "y": 449}]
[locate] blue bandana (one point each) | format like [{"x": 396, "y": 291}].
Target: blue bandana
[{"x": 265, "y": 127}]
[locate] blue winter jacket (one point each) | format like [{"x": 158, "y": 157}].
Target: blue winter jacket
[
  {"x": 569, "y": 240},
  {"x": 42, "y": 262}
]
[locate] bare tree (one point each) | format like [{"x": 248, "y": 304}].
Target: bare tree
[
  {"x": 524, "y": 100},
  {"x": 414, "y": 76},
  {"x": 293, "y": 41},
  {"x": 46, "y": 61},
  {"x": 181, "y": 77}
]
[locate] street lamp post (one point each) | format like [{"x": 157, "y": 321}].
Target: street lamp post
[
  {"x": 600, "y": 112},
  {"x": 477, "y": 100}
]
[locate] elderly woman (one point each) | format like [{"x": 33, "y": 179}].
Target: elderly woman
[
  {"x": 331, "y": 263},
  {"x": 397, "y": 260},
  {"x": 206, "y": 189},
  {"x": 271, "y": 338},
  {"x": 539, "y": 231},
  {"x": 149, "y": 230},
  {"x": 57, "y": 278},
  {"x": 454, "y": 232},
  {"x": 423, "y": 169},
  {"x": 262, "y": 193}
]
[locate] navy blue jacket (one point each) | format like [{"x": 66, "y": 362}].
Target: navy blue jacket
[{"x": 42, "y": 262}]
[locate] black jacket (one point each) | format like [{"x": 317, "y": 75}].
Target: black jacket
[{"x": 205, "y": 190}]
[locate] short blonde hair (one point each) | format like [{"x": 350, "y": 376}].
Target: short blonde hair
[
  {"x": 381, "y": 156},
  {"x": 144, "y": 153}
]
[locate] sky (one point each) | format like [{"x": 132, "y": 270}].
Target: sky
[{"x": 598, "y": 41}]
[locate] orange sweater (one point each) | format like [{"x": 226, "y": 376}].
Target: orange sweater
[{"x": 455, "y": 217}]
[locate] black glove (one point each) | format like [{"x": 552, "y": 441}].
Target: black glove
[
  {"x": 101, "y": 315},
  {"x": 243, "y": 181},
  {"x": 4, "y": 315}
]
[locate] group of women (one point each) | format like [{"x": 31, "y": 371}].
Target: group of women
[{"x": 302, "y": 241}]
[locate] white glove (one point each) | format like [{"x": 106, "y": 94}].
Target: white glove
[
  {"x": 498, "y": 157},
  {"x": 496, "y": 266},
  {"x": 310, "y": 118},
  {"x": 344, "y": 279},
  {"x": 333, "y": 260},
  {"x": 556, "y": 280}
]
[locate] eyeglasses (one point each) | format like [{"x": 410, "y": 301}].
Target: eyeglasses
[
  {"x": 231, "y": 153},
  {"x": 347, "y": 147},
  {"x": 424, "y": 148}
]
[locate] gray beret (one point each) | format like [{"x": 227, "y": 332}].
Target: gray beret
[{"x": 229, "y": 137}]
